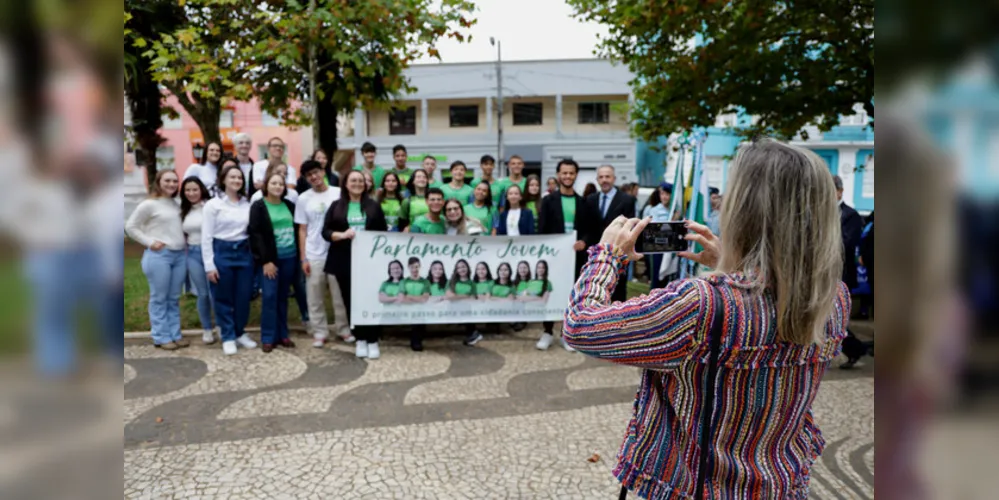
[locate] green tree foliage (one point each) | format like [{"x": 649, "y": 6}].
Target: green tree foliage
[
  {"x": 204, "y": 61},
  {"x": 360, "y": 50},
  {"x": 145, "y": 19},
  {"x": 788, "y": 64}
]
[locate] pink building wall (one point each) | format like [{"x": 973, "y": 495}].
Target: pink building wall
[{"x": 246, "y": 117}]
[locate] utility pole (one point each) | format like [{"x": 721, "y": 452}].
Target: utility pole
[
  {"x": 499, "y": 104},
  {"x": 312, "y": 82}
]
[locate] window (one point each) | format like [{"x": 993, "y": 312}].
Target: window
[
  {"x": 225, "y": 119},
  {"x": 594, "y": 112},
  {"x": 527, "y": 113},
  {"x": 270, "y": 120},
  {"x": 464, "y": 116},
  {"x": 165, "y": 159},
  {"x": 402, "y": 121}
]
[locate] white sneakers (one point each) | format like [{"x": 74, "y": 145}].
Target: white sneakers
[
  {"x": 319, "y": 342},
  {"x": 348, "y": 339},
  {"x": 567, "y": 346},
  {"x": 208, "y": 337},
  {"x": 364, "y": 349},
  {"x": 544, "y": 342},
  {"x": 229, "y": 346},
  {"x": 246, "y": 342}
]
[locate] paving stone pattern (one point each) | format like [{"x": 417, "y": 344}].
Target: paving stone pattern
[{"x": 498, "y": 420}]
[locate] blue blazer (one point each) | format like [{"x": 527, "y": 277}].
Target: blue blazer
[{"x": 526, "y": 223}]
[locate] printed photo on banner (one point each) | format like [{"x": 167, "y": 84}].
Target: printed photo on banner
[{"x": 435, "y": 279}]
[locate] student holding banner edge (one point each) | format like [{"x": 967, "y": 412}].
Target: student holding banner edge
[
  {"x": 354, "y": 212},
  {"x": 558, "y": 215}
]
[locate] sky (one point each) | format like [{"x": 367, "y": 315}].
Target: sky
[{"x": 528, "y": 30}]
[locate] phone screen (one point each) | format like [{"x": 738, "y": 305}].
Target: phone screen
[{"x": 662, "y": 237}]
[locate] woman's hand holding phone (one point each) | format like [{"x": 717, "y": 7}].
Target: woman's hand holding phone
[{"x": 710, "y": 252}]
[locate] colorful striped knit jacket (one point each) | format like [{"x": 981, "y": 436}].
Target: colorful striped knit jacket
[{"x": 765, "y": 439}]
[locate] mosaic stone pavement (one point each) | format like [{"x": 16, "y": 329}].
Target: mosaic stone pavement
[{"x": 498, "y": 420}]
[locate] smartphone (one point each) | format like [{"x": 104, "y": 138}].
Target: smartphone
[{"x": 662, "y": 237}]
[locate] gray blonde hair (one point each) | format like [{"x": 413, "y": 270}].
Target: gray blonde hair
[{"x": 780, "y": 218}]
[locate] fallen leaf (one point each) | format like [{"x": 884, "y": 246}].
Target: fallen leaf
[
  {"x": 159, "y": 420},
  {"x": 594, "y": 458}
]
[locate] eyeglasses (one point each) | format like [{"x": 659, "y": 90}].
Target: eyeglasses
[{"x": 277, "y": 146}]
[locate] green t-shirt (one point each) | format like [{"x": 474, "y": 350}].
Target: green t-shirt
[
  {"x": 403, "y": 174},
  {"x": 533, "y": 207},
  {"x": 522, "y": 287},
  {"x": 481, "y": 214},
  {"x": 413, "y": 207},
  {"x": 284, "y": 228},
  {"x": 437, "y": 291},
  {"x": 434, "y": 183},
  {"x": 569, "y": 212},
  {"x": 355, "y": 216},
  {"x": 462, "y": 194},
  {"x": 415, "y": 288},
  {"x": 483, "y": 288},
  {"x": 495, "y": 187},
  {"x": 464, "y": 288},
  {"x": 423, "y": 225},
  {"x": 391, "y": 289},
  {"x": 391, "y": 207},
  {"x": 505, "y": 183},
  {"x": 378, "y": 173},
  {"x": 538, "y": 288},
  {"x": 501, "y": 291}
]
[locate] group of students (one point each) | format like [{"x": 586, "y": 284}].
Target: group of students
[{"x": 243, "y": 226}]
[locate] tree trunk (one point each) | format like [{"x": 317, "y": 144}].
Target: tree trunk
[
  {"x": 205, "y": 112},
  {"x": 327, "y": 126}
]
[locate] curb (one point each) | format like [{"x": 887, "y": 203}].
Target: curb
[{"x": 198, "y": 332}]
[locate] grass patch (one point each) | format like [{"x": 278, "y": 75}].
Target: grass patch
[{"x": 137, "y": 303}]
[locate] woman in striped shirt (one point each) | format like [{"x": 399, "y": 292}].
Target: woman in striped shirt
[{"x": 783, "y": 317}]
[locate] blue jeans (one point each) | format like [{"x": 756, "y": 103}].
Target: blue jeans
[
  {"x": 196, "y": 272},
  {"x": 274, "y": 301},
  {"x": 165, "y": 271},
  {"x": 231, "y": 293},
  {"x": 298, "y": 284},
  {"x": 61, "y": 281}
]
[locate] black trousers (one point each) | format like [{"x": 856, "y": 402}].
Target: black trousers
[{"x": 367, "y": 333}]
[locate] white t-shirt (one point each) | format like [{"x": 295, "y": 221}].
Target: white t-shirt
[
  {"x": 207, "y": 173},
  {"x": 311, "y": 211},
  {"x": 260, "y": 170},
  {"x": 513, "y": 223}
]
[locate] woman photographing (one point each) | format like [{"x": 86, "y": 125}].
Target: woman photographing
[{"x": 767, "y": 323}]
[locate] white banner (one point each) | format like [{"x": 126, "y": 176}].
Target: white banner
[{"x": 402, "y": 278}]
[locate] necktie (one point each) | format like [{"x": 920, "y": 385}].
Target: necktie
[{"x": 603, "y": 206}]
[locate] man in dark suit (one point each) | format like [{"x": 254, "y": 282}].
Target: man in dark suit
[
  {"x": 602, "y": 208},
  {"x": 852, "y": 226},
  {"x": 560, "y": 213}
]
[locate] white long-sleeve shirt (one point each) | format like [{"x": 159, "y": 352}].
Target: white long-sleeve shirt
[
  {"x": 223, "y": 220},
  {"x": 192, "y": 224},
  {"x": 207, "y": 173},
  {"x": 156, "y": 219}
]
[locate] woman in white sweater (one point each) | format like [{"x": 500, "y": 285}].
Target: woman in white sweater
[
  {"x": 225, "y": 250},
  {"x": 193, "y": 196},
  {"x": 156, "y": 225}
]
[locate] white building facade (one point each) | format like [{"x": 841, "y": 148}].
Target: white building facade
[{"x": 551, "y": 110}]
